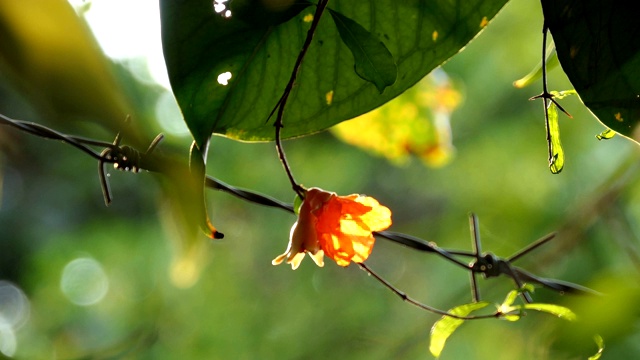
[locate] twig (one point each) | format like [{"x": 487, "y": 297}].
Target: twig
[
  {"x": 282, "y": 102},
  {"x": 418, "y": 304},
  {"x": 546, "y": 96}
]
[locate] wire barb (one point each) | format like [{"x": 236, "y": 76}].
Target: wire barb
[
  {"x": 490, "y": 265},
  {"x": 123, "y": 158}
]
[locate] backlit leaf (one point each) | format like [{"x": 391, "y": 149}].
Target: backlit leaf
[
  {"x": 557, "y": 310},
  {"x": 508, "y": 310},
  {"x": 606, "y": 134},
  {"x": 510, "y": 298},
  {"x": 255, "y": 62},
  {"x": 536, "y": 73},
  {"x": 556, "y": 156},
  {"x": 444, "y": 327},
  {"x": 600, "y": 342},
  {"x": 373, "y": 61}
]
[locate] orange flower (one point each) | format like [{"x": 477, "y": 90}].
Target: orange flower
[{"x": 338, "y": 226}]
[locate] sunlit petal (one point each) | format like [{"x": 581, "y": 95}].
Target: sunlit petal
[{"x": 339, "y": 227}]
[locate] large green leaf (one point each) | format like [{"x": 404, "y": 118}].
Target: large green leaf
[
  {"x": 598, "y": 48},
  {"x": 259, "y": 54}
]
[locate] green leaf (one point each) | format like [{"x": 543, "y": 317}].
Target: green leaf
[
  {"x": 510, "y": 299},
  {"x": 374, "y": 62},
  {"x": 556, "y": 155},
  {"x": 606, "y": 134},
  {"x": 200, "y": 44},
  {"x": 536, "y": 73},
  {"x": 444, "y": 327},
  {"x": 557, "y": 310},
  {"x": 598, "y": 48},
  {"x": 508, "y": 311},
  {"x": 264, "y": 13},
  {"x": 559, "y": 95},
  {"x": 600, "y": 342}
]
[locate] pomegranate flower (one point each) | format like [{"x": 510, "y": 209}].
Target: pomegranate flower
[{"x": 337, "y": 226}]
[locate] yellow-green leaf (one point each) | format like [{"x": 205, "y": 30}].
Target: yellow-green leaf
[
  {"x": 444, "y": 327},
  {"x": 556, "y": 153},
  {"x": 557, "y": 310},
  {"x": 536, "y": 72},
  {"x": 600, "y": 342},
  {"x": 510, "y": 299},
  {"x": 606, "y": 134}
]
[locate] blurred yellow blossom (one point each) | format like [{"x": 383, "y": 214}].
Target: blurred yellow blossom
[
  {"x": 337, "y": 226},
  {"x": 417, "y": 122}
]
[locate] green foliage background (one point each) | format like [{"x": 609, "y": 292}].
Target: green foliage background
[{"x": 245, "y": 308}]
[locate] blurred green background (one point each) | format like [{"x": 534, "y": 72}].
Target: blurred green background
[{"x": 82, "y": 281}]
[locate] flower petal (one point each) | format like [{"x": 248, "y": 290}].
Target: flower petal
[
  {"x": 303, "y": 235},
  {"x": 337, "y": 226},
  {"x": 318, "y": 258},
  {"x": 345, "y": 224},
  {"x": 379, "y": 217}
]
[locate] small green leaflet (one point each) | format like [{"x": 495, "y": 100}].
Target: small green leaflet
[
  {"x": 557, "y": 310},
  {"x": 444, "y": 327},
  {"x": 536, "y": 73},
  {"x": 513, "y": 313},
  {"x": 373, "y": 61},
  {"x": 556, "y": 154},
  {"x": 508, "y": 311},
  {"x": 600, "y": 342},
  {"x": 606, "y": 134}
]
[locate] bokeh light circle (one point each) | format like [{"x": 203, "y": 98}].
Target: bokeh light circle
[
  {"x": 84, "y": 281},
  {"x": 14, "y": 305}
]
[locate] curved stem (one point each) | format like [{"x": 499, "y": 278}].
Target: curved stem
[
  {"x": 545, "y": 93},
  {"x": 418, "y": 304},
  {"x": 322, "y": 4}
]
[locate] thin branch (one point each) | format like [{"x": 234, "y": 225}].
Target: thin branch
[
  {"x": 546, "y": 96},
  {"x": 545, "y": 92},
  {"x": 418, "y": 304},
  {"x": 280, "y": 105}
]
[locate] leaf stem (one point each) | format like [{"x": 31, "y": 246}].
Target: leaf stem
[
  {"x": 547, "y": 97},
  {"x": 545, "y": 92},
  {"x": 322, "y": 4}
]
